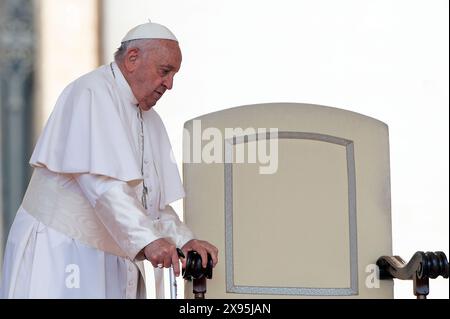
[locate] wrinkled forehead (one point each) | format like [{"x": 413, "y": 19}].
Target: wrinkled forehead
[
  {"x": 165, "y": 51},
  {"x": 163, "y": 45}
]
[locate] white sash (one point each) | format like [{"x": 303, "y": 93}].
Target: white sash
[{"x": 71, "y": 214}]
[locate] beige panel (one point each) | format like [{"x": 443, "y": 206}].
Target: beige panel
[
  {"x": 303, "y": 180},
  {"x": 308, "y": 230}
]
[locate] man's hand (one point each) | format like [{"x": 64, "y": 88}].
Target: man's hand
[
  {"x": 163, "y": 252},
  {"x": 203, "y": 248}
]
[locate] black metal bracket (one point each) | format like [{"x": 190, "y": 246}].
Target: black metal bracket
[{"x": 420, "y": 268}]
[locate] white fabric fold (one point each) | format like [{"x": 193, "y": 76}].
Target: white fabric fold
[
  {"x": 117, "y": 225},
  {"x": 86, "y": 134},
  {"x": 41, "y": 262},
  {"x": 125, "y": 219},
  {"x": 67, "y": 211},
  {"x": 166, "y": 222},
  {"x": 169, "y": 225},
  {"x": 93, "y": 186}
]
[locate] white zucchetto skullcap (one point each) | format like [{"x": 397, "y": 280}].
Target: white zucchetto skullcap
[{"x": 149, "y": 30}]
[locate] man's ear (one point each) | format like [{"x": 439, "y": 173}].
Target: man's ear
[{"x": 131, "y": 60}]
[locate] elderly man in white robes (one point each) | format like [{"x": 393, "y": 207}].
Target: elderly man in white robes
[{"x": 98, "y": 202}]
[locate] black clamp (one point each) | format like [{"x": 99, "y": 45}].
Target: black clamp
[{"x": 420, "y": 268}]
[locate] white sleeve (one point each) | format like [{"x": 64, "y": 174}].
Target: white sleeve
[
  {"x": 93, "y": 186},
  {"x": 171, "y": 226},
  {"x": 116, "y": 205}
]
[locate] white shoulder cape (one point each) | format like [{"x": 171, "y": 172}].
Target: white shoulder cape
[{"x": 87, "y": 132}]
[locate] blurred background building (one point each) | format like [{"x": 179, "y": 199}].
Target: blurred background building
[
  {"x": 386, "y": 59},
  {"x": 44, "y": 45}
]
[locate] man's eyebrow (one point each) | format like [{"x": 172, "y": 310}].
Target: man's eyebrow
[{"x": 168, "y": 66}]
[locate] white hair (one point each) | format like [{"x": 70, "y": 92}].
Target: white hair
[{"x": 121, "y": 52}]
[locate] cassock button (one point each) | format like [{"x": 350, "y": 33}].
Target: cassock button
[
  {"x": 131, "y": 283},
  {"x": 146, "y": 161}
]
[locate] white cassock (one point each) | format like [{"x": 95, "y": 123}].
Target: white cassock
[{"x": 82, "y": 225}]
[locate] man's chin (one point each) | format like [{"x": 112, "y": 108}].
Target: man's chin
[{"x": 147, "y": 106}]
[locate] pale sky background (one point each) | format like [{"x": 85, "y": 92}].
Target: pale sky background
[
  {"x": 388, "y": 59},
  {"x": 385, "y": 59}
]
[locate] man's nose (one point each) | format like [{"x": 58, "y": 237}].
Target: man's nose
[{"x": 168, "y": 83}]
